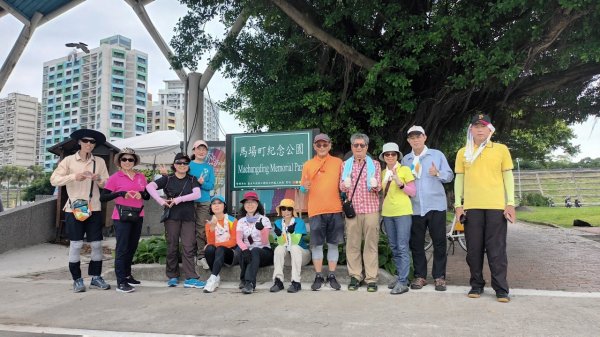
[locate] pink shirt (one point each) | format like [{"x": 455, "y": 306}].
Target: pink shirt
[{"x": 121, "y": 182}]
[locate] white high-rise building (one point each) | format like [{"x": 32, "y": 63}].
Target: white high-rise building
[
  {"x": 173, "y": 96},
  {"x": 19, "y": 130},
  {"x": 104, "y": 90}
]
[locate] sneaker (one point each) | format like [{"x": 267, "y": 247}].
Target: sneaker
[
  {"x": 78, "y": 286},
  {"x": 333, "y": 283},
  {"x": 317, "y": 283},
  {"x": 354, "y": 284},
  {"x": 392, "y": 284},
  {"x": 242, "y": 284},
  {"x": 248, "y": 288},
  {"x": 211, "y": 284},
  {"x": 294, "y": 287},
  {"x": 99, "y": 283},
  {"x": 399, "y": 288},
  {"x": 502, "y": 297},
  {"x": 372, "y": 287},
  {"x": 131, "y": 280},
  {"x": 277, "y": 285},
  {"x": 440, "y": 284},
  {"x": 475, "y": 292},
  {"x": 418, "y": 283},
  {"x": 125, "y": 288},
  {"x": 194, "y": 283},
  {"x": 173, "y": 282},
  {"x": 203, "y": 263}
]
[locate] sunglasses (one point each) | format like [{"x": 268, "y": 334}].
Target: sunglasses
[
  {"x": 182, "y": 163},
  {"x": 357, "y": 145},
  {"x": 283, "y": 208},
  {"x": 91, "y": 141},
  {"x": 131, "y": 160},
  {"x": 390, "y": 154},
  {"x": 320, "y": 145}
]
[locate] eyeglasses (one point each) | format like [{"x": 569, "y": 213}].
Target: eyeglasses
[
  {"x": 131, "y": 160},
  {"x": 283, "y": 208},
  {"x": 320, "y": 145},
  {"x": 357, "y": 145},
  {"x": 91, "y": 141},
  {"x": 390, "y": 154},
  {"x": 182, "y": 163}
]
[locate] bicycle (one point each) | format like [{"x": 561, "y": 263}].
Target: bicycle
[{"x": 456, "y": 233}]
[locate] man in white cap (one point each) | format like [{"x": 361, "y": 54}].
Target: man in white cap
[
  {"x": 431, "y": 171},
  {"x": 484, "y": 179},
  {"x": 83, "y": 174},
  {"x": 205, "y": 175}
]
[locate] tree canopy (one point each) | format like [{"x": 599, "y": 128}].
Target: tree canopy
[{"x": 379, "y": 67}]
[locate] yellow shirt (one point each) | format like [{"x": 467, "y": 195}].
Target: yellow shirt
[
  {"x": 64, "y": 175},
  {"x": 397, "y": 203},
  {"x": 484, "y": 184},
  {"x": 324, "y": 177}
]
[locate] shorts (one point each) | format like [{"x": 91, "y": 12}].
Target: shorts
[
  {"x": 91, "y": 227},
  {"x": 326, "y": 228}
]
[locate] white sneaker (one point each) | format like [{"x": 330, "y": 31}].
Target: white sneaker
[
  {"x": 211, "y": 284},
  {"x": 218, "y": 282},
  {"x": 202, "y": 263}
]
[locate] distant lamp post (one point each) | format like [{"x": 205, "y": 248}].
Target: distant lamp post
[{"x": 519, "y": 175}]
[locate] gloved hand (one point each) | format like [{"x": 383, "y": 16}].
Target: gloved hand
[
  {"x": 247, "y": 256},
  {"x": 259, "y": 225},
  {"x": 291, "y": 228},
  {"x": 277, "y": 231}
]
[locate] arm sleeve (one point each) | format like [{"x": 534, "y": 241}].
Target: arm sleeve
[
  {"x": 238, "y": 239},
  {"x": 188, "y": 197},
  {"x": 108, "y": 195},
  {"x": 61, "y": 175},
  {"x": 459, "y": 189},
  {"x": 410, "y": 189},
  {"x": 264, "y": 235},
  {"x": 151, "y": 188},
  {"x": 509, "y": 187}
]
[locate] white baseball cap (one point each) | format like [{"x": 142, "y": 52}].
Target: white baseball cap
[{"x": 416, "y": 128}]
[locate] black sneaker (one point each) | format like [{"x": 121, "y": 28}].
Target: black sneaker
[
  {"x": 318, "y": 283},
  {"x": 242, "y": 284},
  {"x": 333, "y": 283},
  {"x": 354, "y": 284},
  {"x": 125, "y": 288},
  {"x": 131, "y": 280},
  {"x": 294, "y": 287},
  {"x": 475, "y": 292},
  {"x": 277, "y": 285},
  {"x": 502, "y": 297},
  {"x": 248, "y": 288}
]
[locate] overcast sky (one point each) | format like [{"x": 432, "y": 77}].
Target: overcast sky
[{"x": 94, "y": 20}]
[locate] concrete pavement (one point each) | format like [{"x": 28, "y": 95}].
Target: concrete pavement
[{"x": 537, "y": 258}]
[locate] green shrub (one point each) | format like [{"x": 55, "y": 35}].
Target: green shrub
[
  {"x": 535, "y": 199},
  {"x": 151, "y": 250}
]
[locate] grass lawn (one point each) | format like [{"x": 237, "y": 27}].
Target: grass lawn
[{"x": 561, "y": 216}]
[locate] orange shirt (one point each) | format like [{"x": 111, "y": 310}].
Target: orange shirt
[
  {"x": 231, "y": 224},
  {"x": 324, "y": 176}
]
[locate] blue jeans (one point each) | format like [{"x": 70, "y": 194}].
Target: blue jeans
[
  {"x": 128, "y": 236},
  {"x": 398, "y": 233}
]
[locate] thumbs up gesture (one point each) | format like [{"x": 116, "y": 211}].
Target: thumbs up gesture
[{"x": 433, "y": 171}]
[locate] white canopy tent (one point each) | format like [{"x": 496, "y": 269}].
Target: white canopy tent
[{"x": 158, "y": 147}]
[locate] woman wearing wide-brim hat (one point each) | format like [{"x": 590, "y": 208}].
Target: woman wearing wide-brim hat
[
  {"x": 181, "y": 189},
  {"x": 128, "y": 187},
  {"x": 289, "y": 232},
  {"x": 253, "y": 239}
]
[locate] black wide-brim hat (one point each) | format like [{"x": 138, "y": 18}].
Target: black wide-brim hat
[{"x": 89, "y": 133}]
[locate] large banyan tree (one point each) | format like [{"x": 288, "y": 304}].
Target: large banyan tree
[{"x": 379, "y": 67}]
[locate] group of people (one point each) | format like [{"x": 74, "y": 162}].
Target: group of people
[{"x": 347, "y": 202}]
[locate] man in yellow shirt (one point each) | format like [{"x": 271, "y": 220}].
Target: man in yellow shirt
[
  {"x": 484, "y": 179},
  {"x": 320, "y": 178}
]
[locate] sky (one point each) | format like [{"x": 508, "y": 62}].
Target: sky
[{"x": 94, "y": 20}]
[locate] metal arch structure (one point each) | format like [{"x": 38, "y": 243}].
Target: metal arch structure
[{"x": 34, "y": 13}]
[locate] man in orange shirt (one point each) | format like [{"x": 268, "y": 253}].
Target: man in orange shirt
[{"x": 320, "y": 178}]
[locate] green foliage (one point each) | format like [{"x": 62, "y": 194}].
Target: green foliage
[
  {"x": 535, "y": 199},
  {"x": 151, "y": 250},
  {"x": 527, "y": 63},
  {"x": 39, "y": 186}
]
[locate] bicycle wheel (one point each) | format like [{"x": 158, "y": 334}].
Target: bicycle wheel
[
  {"x": 462, "y": 241},
  {"x": 428, "y": 242}
]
